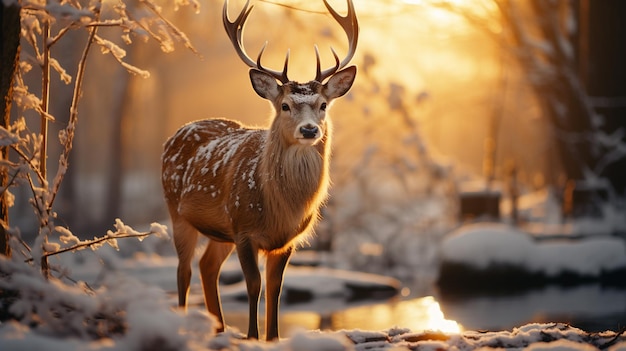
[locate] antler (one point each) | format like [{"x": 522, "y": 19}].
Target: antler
[
  {"x": 235, "y": 32},
  {"x": 350, "y": 25}
]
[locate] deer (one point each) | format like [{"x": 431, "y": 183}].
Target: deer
[{"x": 255, "y": 191}]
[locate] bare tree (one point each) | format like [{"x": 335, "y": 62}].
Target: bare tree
[
  {"x": 10, "y": 41},
  {"x": 549, "y": 41}
]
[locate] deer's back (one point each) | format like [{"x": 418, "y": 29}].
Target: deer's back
[{"x": 206, "y": 167}]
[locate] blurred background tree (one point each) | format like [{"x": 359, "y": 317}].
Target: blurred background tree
[
  {"x": 9, "y": 57},
  {"x": 577, "y": 72}
]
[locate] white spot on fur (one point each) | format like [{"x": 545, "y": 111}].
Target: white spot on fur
[
  {"x": 221, "y": 150},
  {"x": 308, "y": 99}
]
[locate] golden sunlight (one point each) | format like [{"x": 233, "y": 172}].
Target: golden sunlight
[
  {"x": 430, "y": 316},
  {"x": 418, "y": 314},
  {"x": 448, "y": 9},
  {"x": 436, "y": 320}
]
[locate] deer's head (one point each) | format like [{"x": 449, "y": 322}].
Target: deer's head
[{"x": 300, "y": 107}]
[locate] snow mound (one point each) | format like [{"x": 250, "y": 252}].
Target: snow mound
[
  {"x": 121, "y": 311},
  {"x": 499, "y": 247},
  {"x": 482, "y": 245}
]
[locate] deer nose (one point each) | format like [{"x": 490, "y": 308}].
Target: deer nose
[{"x": 309, "y": 131}]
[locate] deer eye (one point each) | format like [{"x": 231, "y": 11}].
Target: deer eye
[
  {"x": 323, "y": 106},
  {"x": 285, "y": 107}
]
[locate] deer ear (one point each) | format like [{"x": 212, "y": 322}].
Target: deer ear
[
  {"x": 340, "y": 82},
  {"x": 264, "y": 84}
]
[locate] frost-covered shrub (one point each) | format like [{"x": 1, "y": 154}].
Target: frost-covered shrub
[
  {"x": 135, "y": 315},
  {"x": 43, "y": 26},
  {"x": 391, "y": 201}
]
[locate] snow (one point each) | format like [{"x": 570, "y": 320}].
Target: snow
[
  {"x": 483, "y": 245},
  {"x": 7, "y": 138},
  {"x": 224, "y": 148},
  {"x": 68, "y": 12},
  {"x": 122, "y": 313},
  {"x": 306, "y": 98},
  {"x": 531, "y": 337}
]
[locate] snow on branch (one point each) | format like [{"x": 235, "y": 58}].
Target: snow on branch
[
  {"x": 109, "y": 47},
  {"x": 66, "y": 78},
  {"x": 122, "y": 231},
  {"x": 7, "y": 138}
]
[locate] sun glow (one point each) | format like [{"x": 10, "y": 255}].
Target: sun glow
[
  {"x": 440, "y": 2},
  {"x": 428, "y": 316},
  {"x": 436, "y": 320},
  {"x": 419, "y": 314}
]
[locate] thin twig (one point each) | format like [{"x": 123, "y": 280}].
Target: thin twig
[
  {"x": 109, "y": 23},
  {"x": 9, "y": 182},
  {"x": 30, "y": 163},
  {"x": 171, "y": 26},
  {"x": 95, "y": 241},
  {"x": 45, "y": 99},
  {"x": 59, "y": 35}
]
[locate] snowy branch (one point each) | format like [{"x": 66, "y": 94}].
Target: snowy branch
[
  {"x": 110, "y": 238},
  {"x": 122, "y": 232}
]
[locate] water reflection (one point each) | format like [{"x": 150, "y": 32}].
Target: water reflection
[
  {"x": 592, "y": 308},
  {"x": 589, "y": 307},
  {"x": 416, "y": 314},
  {"x": 423, "y": 313}
]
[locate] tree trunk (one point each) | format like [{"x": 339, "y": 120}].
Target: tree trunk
[
  {"x": 603, "y": 72},
  {"x": 577, "y": 73},
  {"x": 9, "y": 57}
]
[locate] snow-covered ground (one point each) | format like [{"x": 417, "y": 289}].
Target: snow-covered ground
[
  {"x": 531, "y": 337},
  {"x": 137, "y": 292}
]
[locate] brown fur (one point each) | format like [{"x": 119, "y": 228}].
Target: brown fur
[{"x": 251, "y": 189}]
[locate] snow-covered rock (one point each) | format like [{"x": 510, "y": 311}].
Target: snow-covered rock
[{"x": 484, "y": 252}]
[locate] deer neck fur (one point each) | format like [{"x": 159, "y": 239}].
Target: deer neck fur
[{"x": 297, "y": 182}]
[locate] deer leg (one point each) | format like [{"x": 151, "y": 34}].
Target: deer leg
[
  {"x": 276, "y": 264},
  {"x": 185, "y": 239},
  {"x": 210, "y": 265},
  {"x": 248, "y": 257}
]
